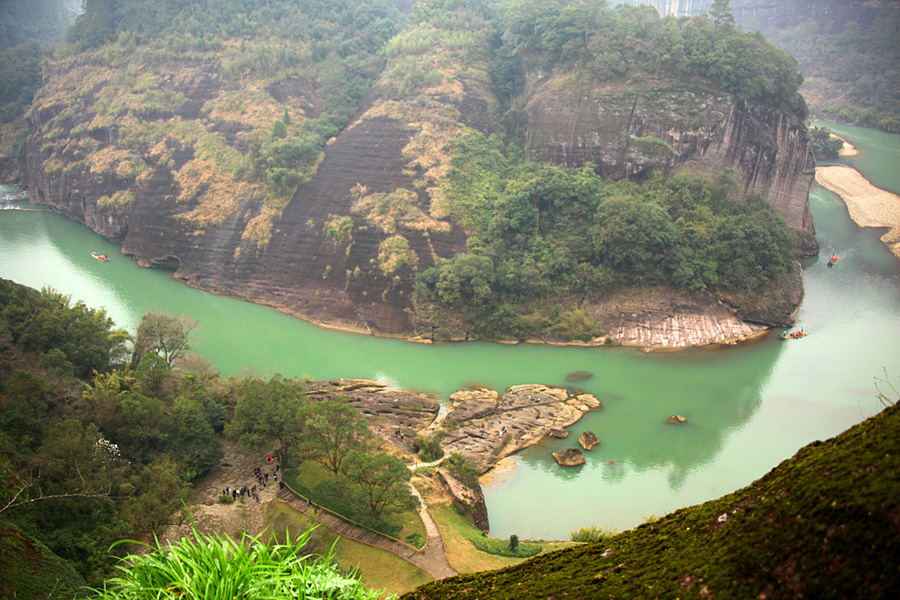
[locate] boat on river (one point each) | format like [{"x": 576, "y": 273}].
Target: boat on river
[
  {"x": 832, "y": 260},
  {"x": 793, "y": 335},
  {"x": 100, "y": 257}
]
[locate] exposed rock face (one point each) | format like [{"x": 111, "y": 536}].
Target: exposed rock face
[
  {"x": 570, "y": 457},
  {"x": 661, "y": 317},
  {"x": 588, "y": 440},
  {"x": 389, "y": 410},
  {"x": 151, "y": 179},
  {"x": 523, "y": 416},
  {"x": 627, "y": 130},
  {"x": 469, "y": 500}
]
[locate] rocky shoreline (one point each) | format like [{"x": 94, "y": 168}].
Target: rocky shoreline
[{"x": 481, "y": 424}]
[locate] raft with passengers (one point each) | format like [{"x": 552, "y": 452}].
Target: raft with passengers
[
  {"x": 100, "y": 257},
  {"x": 793, "y": 335}
]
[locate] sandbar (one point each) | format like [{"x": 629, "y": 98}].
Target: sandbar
[
  {"x": 868, "y": 205},
  {"x": 848, "y": 149}
]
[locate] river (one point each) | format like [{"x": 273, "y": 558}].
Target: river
[{"x": 748, "y": 408}]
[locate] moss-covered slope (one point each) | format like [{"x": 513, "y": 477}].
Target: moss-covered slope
[
  {"x": 28, "y": 569},
  {"x": 823, "y": 524}
]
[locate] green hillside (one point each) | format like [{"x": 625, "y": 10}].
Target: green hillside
[{"x": 823, "y": 524}]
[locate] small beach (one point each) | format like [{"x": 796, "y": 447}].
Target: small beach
[{"x": 868, "y": 205}]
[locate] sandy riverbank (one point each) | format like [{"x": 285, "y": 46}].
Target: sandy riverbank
[
  {"x": 848, "y": 149},
  {"x": 868, "y": 205}
]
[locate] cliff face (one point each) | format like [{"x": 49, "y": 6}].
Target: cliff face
[
  {"x": 629, "y": 129},
  {"x": 158, "y": 164}
]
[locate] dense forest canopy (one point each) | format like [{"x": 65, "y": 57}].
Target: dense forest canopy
[
  {"x": 612, "y": 43},
  {"x": 102, "y": 434}
]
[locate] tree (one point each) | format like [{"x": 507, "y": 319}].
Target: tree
[
  {"x": 164, "y": 335},
  {"x": 380, "y": 482},
  {"x": 329, "y": 430},
  {"x": 192, "y": 441},
  {"x": 267, "y": 411},
  {"x": 720, "y": 12}
]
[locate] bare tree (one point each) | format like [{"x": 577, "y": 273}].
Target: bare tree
[{"x": 165, "y": 335}]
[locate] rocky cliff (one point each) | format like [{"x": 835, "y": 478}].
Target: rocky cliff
[
  {"x": 627, "y": 129},
  {"x": 151, "y": 149}
]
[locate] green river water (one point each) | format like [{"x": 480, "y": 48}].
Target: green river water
[{"x": 748, "y": 407}]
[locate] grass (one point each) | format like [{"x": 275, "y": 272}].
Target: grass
[
  {"x": 457, "y": 532},
  {"x": 378, "y": 569},
  {"x": 311, "y": 473},
  {"x": 214, "y": 567}
]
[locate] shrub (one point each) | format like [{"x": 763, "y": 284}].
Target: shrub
[
  {"x": 193, "y": 568},
  {"x": 508, "y": 548},
  {"x": 592, "y": 534}
]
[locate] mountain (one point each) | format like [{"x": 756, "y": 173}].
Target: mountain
[
  {"x": 308, "y": 155},
  {"x": 822, "y": 524}
]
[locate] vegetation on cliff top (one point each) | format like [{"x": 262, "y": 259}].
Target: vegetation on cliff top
[
  {"x": 822, "y": 524},
  {"x": 278, "y": 80},
  {"x": 543, "y": 240}
]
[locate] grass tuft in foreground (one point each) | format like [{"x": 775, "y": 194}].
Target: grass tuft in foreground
[{"x": 213, "y": 567}]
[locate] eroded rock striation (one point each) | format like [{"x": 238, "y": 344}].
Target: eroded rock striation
[
  {"x": 489, "y": 426},
  {"x": 630, "y": 129},
  {"x": 159, "y": 170}
]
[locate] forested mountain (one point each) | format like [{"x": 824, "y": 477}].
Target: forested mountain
[
  {"x": 455, "y": 168},
  {"x": 847, "y": 51}
]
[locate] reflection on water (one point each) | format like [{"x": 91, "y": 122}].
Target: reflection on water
[{"x": 747, "y": 407}]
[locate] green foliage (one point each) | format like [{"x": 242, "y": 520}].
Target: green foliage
[
  {"x": 329, "y": 430},
  {"x": 612, "y": 43},
  {"x": 266, "y": 412},
  {"x": 165, "y": 335},
  {"x": 592, "y": 534},
  {"x": 31, "y": 570},
  {"x": 86, "y": 463},
  {"x": 430, "y": 447},
  {"x": 42, "y": 321},
  {"x": 20, "y": 77},
  {"x": 510, "y": 548},
  {"x": 824, "y": 145},
  {"x": 379, "y": 482},
  {"x": 218, "y": 567},
  {"x": 542, "y": 239}
]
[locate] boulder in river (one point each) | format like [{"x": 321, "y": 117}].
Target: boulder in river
[
  {"x": 558, "y": 432},
  {"x": 588, "y": 440},
  {"x": 570, "y": 457}
]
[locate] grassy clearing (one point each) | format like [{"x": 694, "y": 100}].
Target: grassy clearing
[
  {"x": 462, "y": 554},
  {"x": 378, "y": 569},
  {"x": 310, "y": 473}
]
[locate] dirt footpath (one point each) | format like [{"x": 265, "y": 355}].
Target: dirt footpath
[{"x": 235, "y": 470}]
